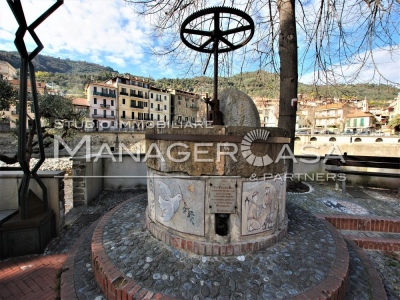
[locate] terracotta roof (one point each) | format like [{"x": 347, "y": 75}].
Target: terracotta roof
[
  {"x": 80, "y": 102},
  {"x": 330, "y": 106},
  {"x": 358, "y": 114},
  {"x": 108, "y": 85}
]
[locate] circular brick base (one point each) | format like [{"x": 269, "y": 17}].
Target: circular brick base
[
  {"x": 209, "y": 248},
  {"x": 116, "y": 285}
]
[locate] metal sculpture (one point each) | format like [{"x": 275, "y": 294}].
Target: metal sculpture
[
  {"x": 216, "y": 30},
  {"x": 27, "y": 66}
]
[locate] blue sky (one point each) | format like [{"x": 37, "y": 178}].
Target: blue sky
[{"x": 108, "y": 32}]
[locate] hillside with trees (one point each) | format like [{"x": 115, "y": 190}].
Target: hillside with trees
[
  {"x": 264, "y": 84},
  {"x": 70, "y": 77}
]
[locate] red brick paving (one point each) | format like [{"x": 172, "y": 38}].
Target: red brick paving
[{"x": 30, "y": 277}]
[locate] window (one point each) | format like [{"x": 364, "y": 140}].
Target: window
[
  {"x": 165, "y": 118},
  {"x": 165, "y": 107},
  {"x": 158, "y": 117},
  {"x": 123, "y": 101},
  {"x": 165, "y": 98},
  {"x": 145, "y": 104},
  {"x": 151, "y": 105},
  {"x": 112, "y": 123},
  {"x": 133, "y": 103},
  {"x": 133, "y": 115},
  {"x": 95, "y": 111},
  {"x": 95, "y": 100},
  {"x": 362, "y": 122},
  {"x": 151, "y": 117},
  {"x": 104, "y": 102},
  {"x": 95, "y": 89},
  {"x": 140, "y": 84},
  {"x": 123, "y": 114},
  {"x": 112, "y": 102},
  {"x": 112, "y": 113},
  {"x": 151, "y": 95},
  {"x": 104, "y": 113}
]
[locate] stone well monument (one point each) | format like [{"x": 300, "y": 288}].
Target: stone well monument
[
  {"x": 206, "y": 184},
  {"x": 207, "y": 188}
]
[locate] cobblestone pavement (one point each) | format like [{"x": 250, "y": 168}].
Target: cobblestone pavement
[
  {"x": 291, "y": 267},
  {"x": 323, "y": 199},
  {"x": 385, "y": 204}
]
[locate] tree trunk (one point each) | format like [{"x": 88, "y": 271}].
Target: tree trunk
[{"x": 288, "y": 70}]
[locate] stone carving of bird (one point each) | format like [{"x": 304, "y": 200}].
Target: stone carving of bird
[{"x": 168, "y": 204}]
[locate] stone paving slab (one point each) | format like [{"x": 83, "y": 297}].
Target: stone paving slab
[{"x": 324, "y": 199}]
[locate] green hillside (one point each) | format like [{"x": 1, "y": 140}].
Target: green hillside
[
  {"x": 55, "y": 65},
  {"x": 71, "y": 76}
]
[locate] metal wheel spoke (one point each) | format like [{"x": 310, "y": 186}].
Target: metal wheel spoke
[
  {"x": 206, "y": 43},
  {"x": 228, "y": 43},
  {"x": 197, "y": 32},
  {"x": 236, "y": 30}
]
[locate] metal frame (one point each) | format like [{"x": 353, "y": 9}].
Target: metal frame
[
  {"x": 27, "y": 66},
  {"x": 214, "y": 17}
]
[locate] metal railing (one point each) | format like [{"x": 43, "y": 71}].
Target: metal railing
[
  {"x": 103, "y": 116},
  {"x": 104, "y": 94}
]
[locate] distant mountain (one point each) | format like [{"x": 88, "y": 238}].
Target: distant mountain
[
  {"x": 55, "y": 65},
  {"x": 261, "y": 84},
  {"x": 71, "y": 76}
]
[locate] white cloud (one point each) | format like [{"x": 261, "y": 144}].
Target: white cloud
[
  {"x": 382, "y": 60},
  {"x": 106, "y": 31}
]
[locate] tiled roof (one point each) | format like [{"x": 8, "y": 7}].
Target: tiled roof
[{"x": 80, "y": 102}]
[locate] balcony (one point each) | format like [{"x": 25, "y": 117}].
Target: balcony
[
  {"x": 137, "y": 106},
  {"x": 103, "y": 94},
  {"x": 105, "y": 105},
  {"x": 136, "y": 95},
  {"x": 103, "y": 116},
  {"x": 158, "y": 109},
  {"x": 123, "y": 93}
]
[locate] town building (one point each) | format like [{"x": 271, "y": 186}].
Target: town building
[
  {"x": 102, "y": 99},
  {"x": 160, "y": 105},
  {"x": 268, "y": 109},
  {"x": 185, "y": 107},
  {"x": 332, "y": 117},
  {"x": 10, "y": 114},
  {"x": 7, "y": 71},
  {"x": 132, "y": 101},
  {"x": 360, "y": 122}
]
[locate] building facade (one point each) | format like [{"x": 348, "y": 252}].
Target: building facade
[
  {"x": 102, "y": 99},
  {"x": 132, "y": 101},
  {"x": 160, "y": 105},
  {"x": 185, "y": 107},
  {"x": 7, "y": 71}
]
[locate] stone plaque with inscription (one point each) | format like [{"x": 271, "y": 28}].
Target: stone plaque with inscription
[{"x": 222, "y": 195}]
